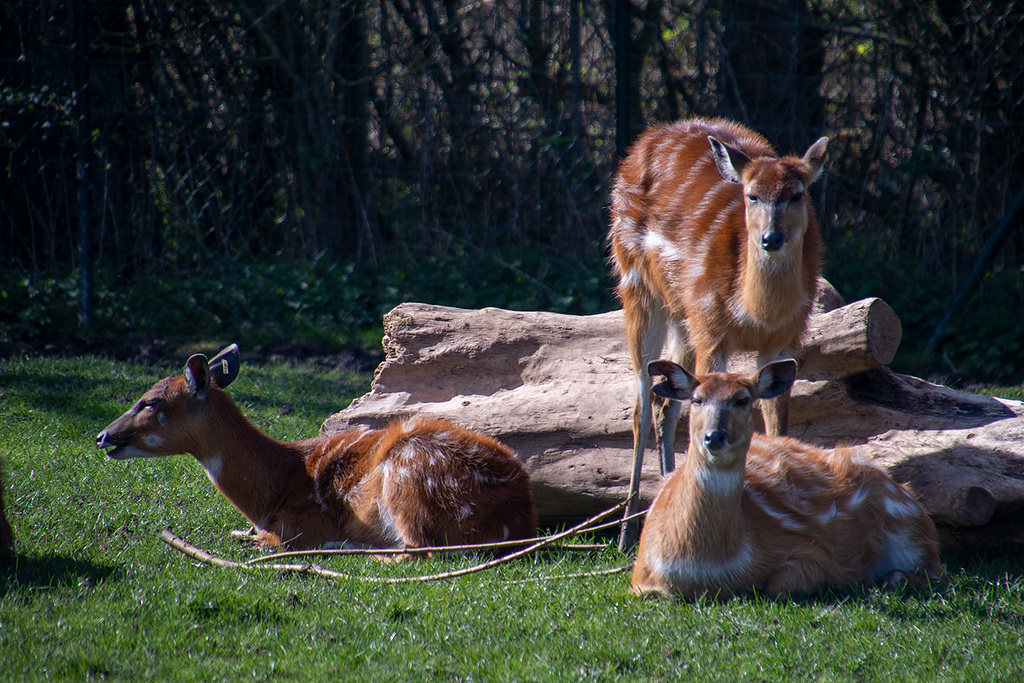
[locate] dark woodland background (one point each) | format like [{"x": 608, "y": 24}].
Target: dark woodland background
[{"x": 284, "y": 172}]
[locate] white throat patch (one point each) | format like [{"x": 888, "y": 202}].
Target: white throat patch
[{"x": 214, "y": 468}]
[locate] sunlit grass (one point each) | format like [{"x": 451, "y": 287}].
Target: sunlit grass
[{"x": 95, "y": 594}]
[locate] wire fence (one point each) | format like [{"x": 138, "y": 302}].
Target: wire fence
[{"x": 181, "y": 136}]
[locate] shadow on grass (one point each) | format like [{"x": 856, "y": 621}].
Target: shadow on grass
[
  {"x": 54, "y": 571},
  {"x": 75, "y": 393},
  {"x": 984, "y": 586}
]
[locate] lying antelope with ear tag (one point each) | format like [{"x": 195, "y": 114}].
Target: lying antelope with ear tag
[
  {"x": 749, "y": 512},
  {"x": 419, "y": 482}
]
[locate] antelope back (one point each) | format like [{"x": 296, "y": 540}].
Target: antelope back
[
  {"x": 843, "y": 511},
  {"x": 709, "y": 186},
  {"x": 425, "y": 482}
]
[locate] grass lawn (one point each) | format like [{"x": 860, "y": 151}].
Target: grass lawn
[{"x": 94, "y": 593}]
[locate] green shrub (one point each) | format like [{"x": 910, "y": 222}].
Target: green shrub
[
  {"x": 322, "y": 305},
  {"x": 317, "y": 305}
]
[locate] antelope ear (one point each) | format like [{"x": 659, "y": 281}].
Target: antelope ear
[
  {"x": 730, "y": 161},
  {"x": 679, "y": 384},
  {"x": 775, "y": 378},
  {"x": 225, "y": 365},
  {"x": 197, "y": 375},
  {"x": 815, "y": 159}
]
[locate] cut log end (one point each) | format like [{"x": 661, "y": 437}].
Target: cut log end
[
  {"x": 969, "y": 506},
  {"x": 884, "y": 332},
  {"x": 846, "y": 341}
]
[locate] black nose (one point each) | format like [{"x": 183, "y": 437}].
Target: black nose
[
  {"x": 715, "y": 439},
  {"x": 772, "y": 241}
]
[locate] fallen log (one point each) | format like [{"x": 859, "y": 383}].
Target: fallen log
[{"x": 559, "y": 390}]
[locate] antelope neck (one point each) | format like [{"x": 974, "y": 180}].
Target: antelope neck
[
  {"x": 248, "y": 467},
  {"x": 770, "y": 292},
  {"x": 714, "y": 497}
]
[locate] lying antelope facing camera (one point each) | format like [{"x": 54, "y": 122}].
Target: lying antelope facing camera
[
  {"x": 419, "y": 482},
  {"x": 748, "y": 512},
  {"x": 716, "y": 249}
]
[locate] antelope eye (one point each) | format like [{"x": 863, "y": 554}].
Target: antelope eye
[
  {"x": 742, "y": 402},
  {"x": 752, "y": 198},
  {"x": 797, "y": 197},
  {"x": 697, "y": 401}
]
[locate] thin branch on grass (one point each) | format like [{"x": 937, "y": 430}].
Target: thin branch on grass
[
  {"x": 178, "y": 543},
  {"x": 425, "y": 550},
  {"x": 197, "y": 553},
  {"x": 617, "y": 522}
]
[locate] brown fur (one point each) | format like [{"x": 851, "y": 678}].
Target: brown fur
[
  {"x": 686, "y": 247},
  {"x": 416, "y": 483},
  {"x": 772, "y": 514}
]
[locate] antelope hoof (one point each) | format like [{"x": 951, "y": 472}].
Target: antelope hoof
[
  {"x": 897, "y": 579},
  {"x": 244, "y": 537}
]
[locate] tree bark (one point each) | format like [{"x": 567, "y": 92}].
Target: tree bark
[{"x": 560, "y": 391}]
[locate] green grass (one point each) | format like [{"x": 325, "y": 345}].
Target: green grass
[{"x": 95, "y": 594}]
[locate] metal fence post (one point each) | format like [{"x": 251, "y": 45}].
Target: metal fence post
[
  {"x": 84, "y": 154},
  {"x": 623, "y": 86}
]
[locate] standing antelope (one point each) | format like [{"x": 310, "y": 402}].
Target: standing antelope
[
  {"x": 419, "y": 482},
  {"x": 716, "y": 247},
  {"x": 752, "y": 512}
]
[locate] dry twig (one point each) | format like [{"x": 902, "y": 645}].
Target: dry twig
[
  {"x": 425, "y": 550},
  {"x": 192, "y": 551}
]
